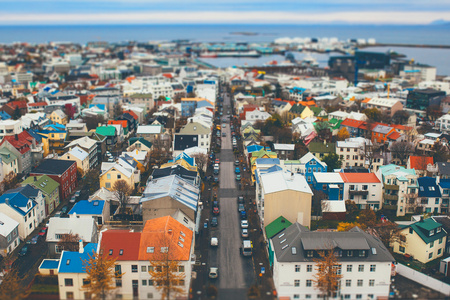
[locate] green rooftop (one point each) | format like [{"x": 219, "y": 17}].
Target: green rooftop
[
  {"x": 43, "y": 183},
  {"x": 106, "y": 130},
  {"x": 422, "y": 228},
  {"x": 277, "y": 226},
  {"x": 7, "y": 156}
]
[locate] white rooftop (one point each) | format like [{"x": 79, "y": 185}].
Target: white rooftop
[
  {"x": 78, "y": 153},
  {"x": 149, "y": 129},
  {"x": 286, "y": 147},
  {"x": 281, "y": 181},
  {"x": 84, "y": 227},
  {"x": 7, "y": 225},
  {"x": 330, "y": 177}
]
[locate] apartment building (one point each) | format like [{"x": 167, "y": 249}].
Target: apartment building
[{"x": 364, "y": 189}]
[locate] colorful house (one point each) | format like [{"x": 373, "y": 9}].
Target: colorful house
[{"x": 49, "y": 189}]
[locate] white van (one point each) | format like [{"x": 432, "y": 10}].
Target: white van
[{"x": 247, "y": 248}]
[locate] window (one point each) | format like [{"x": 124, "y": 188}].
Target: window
[
  {"x": 143, "y": 268},
  {"x": 134, "y": 268},
  {"x": 118, "y": 270},
  {"x": 144, "y": 282},
  {"x": 371, "y": 282},
  {"x": 309, "y": 268},
  {"x": 440, "y": 241},
  {"x": 181, "y": 269},
  {"x": 438, "y": 229},
  {"x": 358, "y": 296},
  {"x": 308, "y": 296},
  {"x": 352, "y": 187},
  {"x": 181, "y": 282},
  {"x": 439, "y": 251},
  {"x": 309, "y": 253},
  {"x": 69, "y": 295},
  {"x": 58, "y": 249},
  {"x": 110, "y": 251},
  {"x": 401, "y": 249},
  {"x": 108, "y": 185},
  {"x": 372, "y": 268},
  {"x": 348, "y": 283},
  {"x": 68, "y": 282},
  {"x": 119, "y": 176},
  {"x": 361, "y": 268},
  {"x": 308, "y": 283},
  {"x": 150, "y": 282},
  {"x": 359, "y": 282},
  {"x": 297, "y": 268},
  {"x": 349, "y": 268},
  {"x": 296, "y": 296},
  {"x": 430, "y": 255},
  {"x": 296, "y": 282},
  {"x": 150, "y": 249},
  {"x": 432, "y": 244},
  {"x": 108, "y": 176},
  {"x": 347, "y": 296},
  {"x": 362, "y": 253}
]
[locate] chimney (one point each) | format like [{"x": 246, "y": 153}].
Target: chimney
[
  {"x": 35, "y": 178},
  {"x": 80, "y": 246},
  {"x": 421, "y": 218},
  {"x": 7, "y": 201},
  {"x": 170, "y": 231},
  {"x": 16, "y": 137}
]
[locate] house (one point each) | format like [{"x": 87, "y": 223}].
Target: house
[
  {"x": 123, "y": 124},
  {"x": 85, "y": 228},
  {"x": 90, "y": 146},
  {"x": 163, "y": 196},
  {"x": 400, "y": 188},
  {"x": 263, "y": 153},
  {"x": 72, "y": 272},
  {"x": 99, "y": 139},
  {"x": 131, "y": 119},
  {"x": 300, "y": 111},
  {"x": 80, "y": 156},
  {"x": 52, "y": 140},
  {"x": 188, "y": 105},
  {"x": 74, "y": 126},
  {"x": 10, "y": 127},
  {"x": 149, "y": 132},
  {"x": 96, "y": 209},
  {"x": 139, "y": 144},
  {"x": 62, "y": 171},
  {"x": 338, "y": 115},
  {"x": 311, "y": 164},
  {"x": 387, "y": 106},
  {"x": 58, "y": 116},
  {"x": 329, "y": 183},
  {"x": 353, "y": 127},
  {"x": 15, "y": 106},
  {"x": 9, "y": 235},
  {"x": 120, "y": 170},
  {"x": 365, "y": 189},
  {"x": 321, "y": 149},
  {"x": 352, "y": 151},
  {"x": 380, "y": 133},
  {"x": 49, "y": 189},
  {"x": 184, "y": 141},
  {"x": 284, "y": 194},
  {"x": 424, "y": 240},
  {"x": 429, "y": 196},
  {"x": 364, "y": 263},
  {"x": 10, "y": 162},
  {"x": 284, "y": 151},
  {"x": 179, "y": 170},
  {"x": 420, "y": 164},
  {"x": 26, "y": 148},
  {"x": 203, "y": 133},
  {"x": 110, "y": 133},
  {"x": 142, "y": 158},
  {"x": 162, "y": 238},
  {"x": 445, "y": 222},
  {"x": 22, "y": 209}
]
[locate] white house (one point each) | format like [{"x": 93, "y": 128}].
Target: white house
[
  {"x": 365, "y": 189},
  {"x": 364, "y": 263}
]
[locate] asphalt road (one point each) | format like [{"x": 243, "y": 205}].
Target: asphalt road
[{"x": 236, "y": 273}]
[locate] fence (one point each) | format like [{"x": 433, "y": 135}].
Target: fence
[{"x": 423, "y": 279}]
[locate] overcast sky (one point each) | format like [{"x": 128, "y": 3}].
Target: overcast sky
[{"x": 399, "y": 12}]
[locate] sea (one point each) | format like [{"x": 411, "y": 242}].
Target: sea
[{"x": 423, "y": 35}]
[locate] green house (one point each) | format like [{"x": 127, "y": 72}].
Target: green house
[{"x": 48, "y": 187}]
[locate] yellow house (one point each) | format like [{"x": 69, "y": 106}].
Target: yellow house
[
  {"x": 80, "y": 156},
  {"x": 53, "y": 141},
  {"x": 300, "y": 111},
  {"x": 424, "y": 240},
  {"x": 58, "y": 116},
  {"x": 260, "y": 154},
  {"x": 112, "y": 172}
]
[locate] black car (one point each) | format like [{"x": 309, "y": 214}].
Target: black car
[
  {"x": 215, "y": 204},
  {"x": 214, "y": 222},
  {"x": 23, "y": 251}
]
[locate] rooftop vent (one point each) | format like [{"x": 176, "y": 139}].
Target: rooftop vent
[
  {"x": 294, "y": 250},
  {"x": 281, "y": 235},
  {"x": 283, "y": 241},
  {"x": 374, "y": 251},
  {"x": 285, "y": 246},
  {"x": 180, "y": 244}
]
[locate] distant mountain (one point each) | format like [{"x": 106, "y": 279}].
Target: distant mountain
[{"x": 440, "y": 22}]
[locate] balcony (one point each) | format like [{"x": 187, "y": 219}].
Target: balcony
[
  {"x": 356, "y": 192},
  {"x": 390, "y": 197},
  {"x": 390, "y": 207},
  {"x": 391, "y": 187}
]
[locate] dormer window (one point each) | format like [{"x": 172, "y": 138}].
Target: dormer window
[
  {"x": 438, "y": 229},
  {"x": 309, "y": 253},
  {"x": 431, "y": 188},
  {"x": 349, "y": 253},
  {"x": 110, "y": 251},
  {"x": 431, "y": 232},
  {"x": 362, "y": 253}
]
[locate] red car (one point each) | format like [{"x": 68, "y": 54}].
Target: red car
[
  {"x": 43, "y": 231},
  {"x": 216, "y": 211},
  {"x": 217, "y": 161}
]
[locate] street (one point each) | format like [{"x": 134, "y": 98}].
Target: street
[{"x": 236, "y": 272}]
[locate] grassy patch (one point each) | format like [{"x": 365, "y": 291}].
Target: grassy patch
[
  {"x": 44, "y": 289},
  {"x": 324, "y": 224}
]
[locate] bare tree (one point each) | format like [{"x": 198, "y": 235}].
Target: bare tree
[
  {"x": 401, "y": 150},
  {"x": 93, "y": 121},
  {"x": 202, "y": 161},
  {"x": 69, "y": 242},
  {"x": 368, "y": 152},
  {"x": 122, "y": 191}
]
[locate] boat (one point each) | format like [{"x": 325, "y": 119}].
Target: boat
[
  {"x": 251, "y": 53},
  {"x": 208, "y": 55}
]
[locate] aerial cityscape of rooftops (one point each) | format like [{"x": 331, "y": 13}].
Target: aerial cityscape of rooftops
[{"x": 299, "y": 168}]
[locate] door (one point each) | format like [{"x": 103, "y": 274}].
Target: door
[{"x": 135, "y": 288}]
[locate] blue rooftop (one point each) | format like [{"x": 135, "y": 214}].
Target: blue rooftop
[
  {"x": 268, "y": 161},
  {"x": 4, "y": 115},
  {"x": 86, "y": 207},
  {"x": 445, "y": 183},
  {"x": 49, "y": 264},
  {"x": 428, "y": 187},
  {"x": 254, "y": 148},
  {"x": 99, "y": 106},
  {"x": 72, "y": 262},
  {"x": 17, "y": 201}
]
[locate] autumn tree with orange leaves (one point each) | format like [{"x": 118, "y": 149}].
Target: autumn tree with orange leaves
[
  {"x": 101, "y": 276},
  {"x": 328, "y": 272}
]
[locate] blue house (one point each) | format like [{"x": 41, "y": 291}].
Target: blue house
[
  {"x": 311, "y": 164},
  {"x": 429, "y": 200},
  {"x": 330, "y": 183},
  {"x": 445, "y": 191},
  {"x": 96, "y": 209}
]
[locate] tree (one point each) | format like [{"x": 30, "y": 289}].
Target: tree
[
  {"x": 367, "y": 217},
  {"x": 164, "y": 272},
  {"x": 91, "y": 182},
  {"x": 10, "y": 181},
  {"x": 439, "y": 152},
  {"x": 333, "y": 161},
  {"x": 346, "y": 226},
  {"x": 323, "y": 130},
  {"x": 300, "y": 150},
  {"x": 327, "y": 277},
  {"x": 283, "y": 135},
  {"x": 201, "y": 160},
  {"x": 343, "y": 134},
  {"x": 400, "y": 117},
  {"x": 212, "y": 291},
  {"x": 388, "y": 232},
  {"x": 92, "y": 122},
  {"x": 16, "y": 115},
  {"x": 117, "y": 109},
  {"x": 69, "y": 242},
  {"x": 402, "y": 150},
  {"x": 316, "y": 202},
  {"x": 70, "y": 110},
  {"x": 101, "y": 274},
  {"x": 368, "y": 153},
  {"x": 253, "y": 292},
  {"x": 433, "y": 112},
  {"x": 122, "y": 191},
  {"x": 10, "y": 288},
  {"x": 373, "y": 114}
]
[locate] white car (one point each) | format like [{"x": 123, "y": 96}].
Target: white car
[
  {"x": 214, "y": 242},
  {"x": 213, "y": 272},
  {"x": 244, "y": 233},
  {"x": 244, "y": 223},
  {"x": 224, "y": 125}
]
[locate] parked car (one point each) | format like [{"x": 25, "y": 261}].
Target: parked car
[
  {"x": 243, "y": 215},
  {"x": 214, "y": 222},
  {"x": 77, "y": 193},
  {"x": 34, "y": 240},
  {"x": 244, "y": 232},
  {"x": 224, "y": 125},
  {"x": 43, "y": 231},
  {"x": 224, "y": 134},
  {"x": 216, "y": 211},
  {"x": 23, "y": 251},
  {"x": 236, "y": 163},
  {"x": 214, "y": 242},
  {"x": 237, "y": 170},
  {"x": 64, "y": 209},
  {"x": 215, "y": 204},
  {"x": 73, "y": 199},
  {"x": 244, "y": 224},
  {"x": 241, "y": 207},
  {"x": 205, "y": 225},
  {"x": 238, "y": 177},
  {"x": 213, "y": 272},
  {"x": 217, "y": 161},
  {"x": 240, "y": 199}
]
